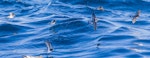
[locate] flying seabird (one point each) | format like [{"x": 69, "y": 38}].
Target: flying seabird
[
  {"x": 94, "y": 20},
  {"x": 49, "y": 46},
  {"x": 53, "y": 22},
  {"x": 11, "y": 15},
  {"x": 136, "y": 16},
  {"x": 100, "y": 8}
]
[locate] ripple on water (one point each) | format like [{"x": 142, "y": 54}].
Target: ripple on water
[
  {"x": 134, "y": 56},
  {"x": 72, "y": 36},
  {"x": 10, "y": 28}
]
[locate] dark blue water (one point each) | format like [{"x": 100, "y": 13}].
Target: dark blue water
[{"x": 72, "y": 36}]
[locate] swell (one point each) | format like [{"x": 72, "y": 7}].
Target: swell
[{"x": 72, "y": 35}]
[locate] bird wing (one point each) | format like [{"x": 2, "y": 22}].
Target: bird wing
[
  {"x": 94, "y": 21},
  {"x": 49, "y": 47},
  {"x": 134, "y": 20}
]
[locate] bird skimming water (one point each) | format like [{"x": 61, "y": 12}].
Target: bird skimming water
[
  {"x": 136, "y": 16},
  {"x": 49, "y": 46},
  {"x": 100, "y": 8},
  {"x": 94, "y": 20},
  {"x": 53, "y": 22},
  {"x": 11, "y": 15}
]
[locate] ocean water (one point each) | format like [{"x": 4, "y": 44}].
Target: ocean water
[{"x": 72, "y": 36}]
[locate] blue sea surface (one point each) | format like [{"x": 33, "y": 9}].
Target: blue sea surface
[{"x": 72, "y": 36}]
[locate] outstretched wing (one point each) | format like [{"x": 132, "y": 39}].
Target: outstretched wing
[
  {"x": 134, "y": 20},
  {"x": 94, "y": 21}
]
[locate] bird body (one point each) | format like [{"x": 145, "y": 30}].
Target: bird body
[
  {"x": 100, "y": 8},
  {"x": 11, "y": 15},
  {"x": 52, "y": 23},
  {"x": 49, "y": 46},
  {"x": 136, "y": 16},
  {"x": 94, "y": 20}
]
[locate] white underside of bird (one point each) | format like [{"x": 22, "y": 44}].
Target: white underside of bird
[{"x": 11, "y": 16}]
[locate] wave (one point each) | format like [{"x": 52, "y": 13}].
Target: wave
[
  {"x": 72, "y": 35},
  {"x": 99, "y": 1}
]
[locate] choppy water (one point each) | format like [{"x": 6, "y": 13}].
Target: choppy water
[{"x": 72, "y": 36}]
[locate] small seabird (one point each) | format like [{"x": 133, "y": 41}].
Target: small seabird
[
  {"x": 100, "y": 8},
  {"x": 94, "y": 20},
  {"x": 32, "y": 57},
  {"x": 49, "y": 46},
  {"x": 53, "y": 22},
  {"x": 136, "y": 16},
  {"x": 11, "y": 15}
]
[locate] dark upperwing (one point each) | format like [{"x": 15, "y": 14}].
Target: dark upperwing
[{"x": 94, "y": 21}]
